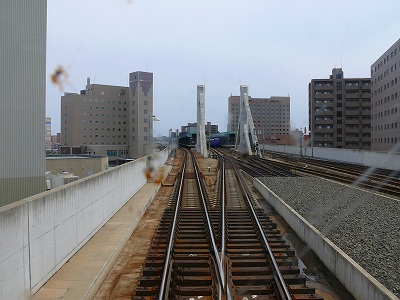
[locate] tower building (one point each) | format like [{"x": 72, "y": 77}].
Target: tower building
[
  {"x": 271, "y": 116},
  {"x": 95, "y": 121},
  {"x": 48, "y": 133},
  {"x": 340, "y": 111},
  {"x": 116, "y": 121},
  {"x": 140, "y": 114}
]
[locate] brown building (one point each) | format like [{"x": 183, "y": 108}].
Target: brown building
[
  {"x": 96, "y": 120},
  {"x": 271, "y": 117},
  {"x": 340, "y": 111},
  {"x": 385, "y": 100},
  {"x": 56, "y": 139},
  {"x": 109, "y": 120}
]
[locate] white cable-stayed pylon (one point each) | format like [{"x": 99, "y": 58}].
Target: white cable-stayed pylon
[
  {"x": 246, "y": 139},
  {"x": 201, "y": 144}
]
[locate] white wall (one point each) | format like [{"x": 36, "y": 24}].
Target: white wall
[
  {"x": 368, "y": 158},
  {"x": 40, "y": 233}
]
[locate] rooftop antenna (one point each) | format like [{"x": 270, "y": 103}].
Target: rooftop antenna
[{"x": 147, "y": 66}]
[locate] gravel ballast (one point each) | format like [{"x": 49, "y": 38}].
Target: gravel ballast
[{"x": 363, "y": 224}]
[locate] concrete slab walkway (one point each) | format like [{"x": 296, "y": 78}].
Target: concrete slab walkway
[{"x": 82, "y": 275}]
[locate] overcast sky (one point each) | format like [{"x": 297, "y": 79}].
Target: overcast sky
[{"x": 275, "y": 47}]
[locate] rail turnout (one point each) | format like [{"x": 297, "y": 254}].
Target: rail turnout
[{"x": 222, "y": 248}]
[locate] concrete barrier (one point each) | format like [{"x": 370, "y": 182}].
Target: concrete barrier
[
  {"x": 40, "y": 233},
  {"x": 385, "y": 160},
  {"x": 356, "y": 280}
]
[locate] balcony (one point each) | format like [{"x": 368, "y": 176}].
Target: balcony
[
  {"x": 328, "y": 113},
  {"x": 323, "y": 130},
  {"x": 351, "y": 87},
  {"x": 352, "y": 121},
  {"x": 352, "y": 139},
  {"x": 349, "y": 95},
  {"x": 352, "y": 112},
  {"x": 352, "y": 104},
  {"x": 326, "y": 87},
  {"x": 365, "y": 112},
  {"x": 318, "y": 139},
  {"x": 351, "y": 129},
  {"x": 323, "y": 95},
  {"x": 323, "y": 122}
]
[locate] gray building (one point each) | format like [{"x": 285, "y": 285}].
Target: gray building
[
  {"x": 48, "y": 133},
  {"x": 95, "y": 121},
  {"x": 340, "y": 112},
  {"x": 116, "y": 121},
  {"x": 271, "y": 116},
  {"x": 141, "y": 115},
  {"x": 22, "y": 99},
  {"x": 192, "y": 128},
  {"x": 385, "y": 100}
]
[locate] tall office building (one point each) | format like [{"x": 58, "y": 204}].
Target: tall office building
[
  {"x": 95, "y": 121},
  {"x": 22, "y": 98},
  {"x": 47, "y": 137},
  {"x": 140, "y": 114},
  {"x": 385, "y": 100},
  {"x": 110, "y": 120},
  {"x": 271, "y": 116},
  {"x": 340, "y": 111}
]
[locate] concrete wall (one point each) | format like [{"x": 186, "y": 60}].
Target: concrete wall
[
  {"x": 40, "y": 233},
  {"x": 356, "y": 280},
  {"x": 368, "y": 158}
]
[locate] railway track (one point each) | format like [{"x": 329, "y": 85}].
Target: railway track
[
  {"x": 277, "y": 164},
  {"x": 380, "y": 180},
  {"x": 226, "y": 248}
]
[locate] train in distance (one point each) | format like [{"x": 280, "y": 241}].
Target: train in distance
[{"x": 224, "y": 139}]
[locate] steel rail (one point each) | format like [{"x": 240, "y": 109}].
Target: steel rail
[
  {"x": 285, "y": 294},
  {"x": 222, "y": 254},
  {"x": 223, "y": 243},
  {"x": 209, "y": 226},
  {"x": 161, "y": 295},
  {"x": 222, "y": 203}
]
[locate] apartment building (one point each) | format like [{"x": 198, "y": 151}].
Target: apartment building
[
  {"x": 340, "y": 111},
  {"x": 385, "y": 100},
  {"x": 271, "y": 117},
  {"x": 116, "y": 121},
  {"x": 22, "y": 99}
]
